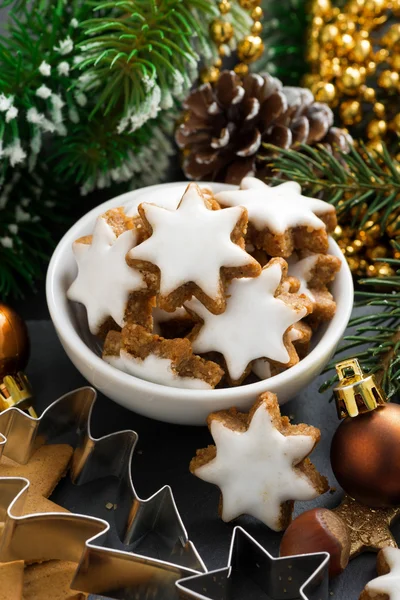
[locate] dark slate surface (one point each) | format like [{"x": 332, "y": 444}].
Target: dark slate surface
[{"x": 163, "y": 454}]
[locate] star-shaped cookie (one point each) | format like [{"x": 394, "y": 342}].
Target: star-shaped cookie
[
  {"x": 315, "y": 272},
  {"x": 387, "y": 585},
  {"x": 105, "y": 282},
  {"x": 255, "y": 323},
  {"x": 280, "y": 218},
  {"x": 194, "y": 250},
  {"x": 259, "y": 463},
  {"x": 153, "y": 358}
]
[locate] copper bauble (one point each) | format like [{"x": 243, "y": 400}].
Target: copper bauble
[
  {"x": 365, "y": 456},
  {"x": 14, "y": 342}
]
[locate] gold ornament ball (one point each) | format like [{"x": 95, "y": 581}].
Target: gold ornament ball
[
  {"x": 376, "y": 129},
  {"x": 388, "y": 80},
  {"x": 350, "y": 112},
  {"x": 374, "y": 8},
  {"x": 377, "y": 252},
  {"x": 209, "y": 74},
  {"x": 241, "y": 69},
  {"x": 392, "y": 36},
  {"x": 365, "y": 456},
  {"x": 249, "y": 4},
  {"x": 324, "y": 92},
  {"x": 256, "y": 28},
  {"x": 379, "y": 109},
  {"x": 384, "y": 270},
  {"x": 221, "y": 31},
  {"x": 322, "y": 8},
  {"x": 352, "y": 78},
  {"x": 375, "y": 146},
  {"x": 250, "y": 48},
  {"x": 14, "y": 342},
  {"x": 224, "y": 7},
  {"x": 257, "y": 13},
  {"x": 361, "y": 51},
  {"x": 369, "y": 94},
  {"x": 329, "y": 34}
]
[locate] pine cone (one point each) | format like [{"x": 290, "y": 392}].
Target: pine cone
[{"x": 225, "y": 125}]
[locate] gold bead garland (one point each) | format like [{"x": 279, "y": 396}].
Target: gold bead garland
[
  {"x": 353, "y": 55},
  {"x": 249, "y": 49}
]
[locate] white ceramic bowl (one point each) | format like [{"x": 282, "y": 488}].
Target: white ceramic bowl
[{"x": 169, "y": 404}]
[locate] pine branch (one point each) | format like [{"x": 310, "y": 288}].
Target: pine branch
[
  {"x": 376, "y": 338},
  {"x": 360, "y": 184},
  {"x": 358, "y": 180},
  {"x": 284, "y": 36}
]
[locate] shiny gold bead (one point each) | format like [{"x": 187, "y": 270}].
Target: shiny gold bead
[
  {"x": 374, "y": 8},
  {"x": 371, "y": 67},
  {"x": 361, "y": 50},
  {"x": 395, "y": 124},
  {"x": 221, "y": 31},
  {"x": 241, "y": 69},
  {"x": 313, "y": 52},
  {"x": 375, "y": 146},
  {"x": 324, "y": 92},
  {"x": 351, "y": 80},
  {"x": 350, "y": 112},
  {"x": 321, "y": 7},
  {"x": 338, "y": 232},
  {"x": 392, "y": 36},
  {"x": 381, "y": 55},
  {"x": 354, "y": 263},
  {"x": 249, "y": 4},
  {"x": 371, "y": 271},
  {"x": 250, "y": 48},
  {"x": 355, "y": 6},
  {"x": 377, "y": 252},
  {"x": 224, "y": 7},
  {"x": 389, "y": 80},
  {"x": 379, "y": 109},
  {"x": 395, "y": 60},
  {"x": 369, "y": 94},
  {"x": 218, "y": 63},
  {"x": 376, "y": 129},
  {"x": 384, "y": 269},
  {"x": 209, "y": 74},
  {"x": 329, "y": 34},
  {"x": 256, "y": 28},
  {"x": 346, "y": 44},
  {"x": 221, "y": 51},
  {"x": 257, "y": 13},
  {"x": 358, "y": 245}
]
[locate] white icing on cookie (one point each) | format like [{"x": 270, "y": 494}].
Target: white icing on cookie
[
  {"x": 390, "y": 583},
  {"x": 104, "y": 280},
  {"x": 169, "y": 198},
  {"x": 252, "y": 325},
  {"x": 254, "y": 469},
  {"x": 276, "y": 208},
  {"x": 262, "y": 367},
  {"x": 191, "y": 244},
  {"x": 155, "y": 369},
  {"x": 301, "y": 269}
]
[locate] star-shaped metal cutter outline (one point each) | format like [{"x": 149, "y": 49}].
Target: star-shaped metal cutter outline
[
  {"x": 302, "y": 577},
  {"x": 82, "y": 538}
]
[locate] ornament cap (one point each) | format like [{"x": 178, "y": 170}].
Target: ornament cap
[
  {"x": 16, "y": 391},
  {"x": 357, "y": 393}
]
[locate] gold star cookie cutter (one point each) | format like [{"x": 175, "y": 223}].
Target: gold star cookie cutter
[{"x": 103, "y": 565}]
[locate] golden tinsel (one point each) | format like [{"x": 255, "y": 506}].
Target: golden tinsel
[{"x": 353, "y": 55}]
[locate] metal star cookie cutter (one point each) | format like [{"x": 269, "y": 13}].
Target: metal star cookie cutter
[
  {"x": 87, "y": 539},
  {"x": 252, "y": 573}
]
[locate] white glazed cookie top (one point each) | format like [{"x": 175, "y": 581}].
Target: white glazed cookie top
[
  {"x": 165, "y": 198},
  {"x": 390, "y": 583},
  {"x": 252, "y": 325},
  {"x": 156, "y": 369},
  {"x": 276, "y": 208},
  {"x": 254, "y": 469},
  {"x": 104, "y": 280},
  {"x": 301, "y": 269},
  {"x": 191, "y": 243}
]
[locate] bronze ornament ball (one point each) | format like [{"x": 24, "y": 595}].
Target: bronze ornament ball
[
  {"x": 14, "y": 342},
  {"x": 365, "y": 456}
]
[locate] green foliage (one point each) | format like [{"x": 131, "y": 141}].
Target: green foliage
[
  {"x": 284, "y": 36},
  {"x": 90, "y": 90},
  {"x": 359, "y": 184}
]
